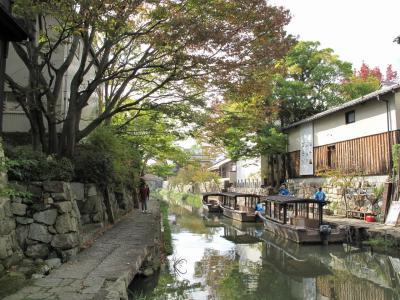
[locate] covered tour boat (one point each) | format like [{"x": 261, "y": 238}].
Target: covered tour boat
[
  {"x": 211, "y": 202},
  {"x": 239, "y": 206},
  {"x": 299, "y": 220}
]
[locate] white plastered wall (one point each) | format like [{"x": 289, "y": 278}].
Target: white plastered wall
[
  {"x": 371, "y": 118},
  {"x": 248, "y": 169}
]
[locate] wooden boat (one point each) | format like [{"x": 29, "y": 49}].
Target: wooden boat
[
  {"x": 299, "y": 220},
  {"x": 239, "y": 206},
  {"x": 211, "y": 202}
]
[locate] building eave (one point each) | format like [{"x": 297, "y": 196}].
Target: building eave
[{"x": 347, "y": 105}]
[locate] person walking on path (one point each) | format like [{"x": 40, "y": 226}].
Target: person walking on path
[
  {"x": 144, "y": 193},
  {"x": 320, "y": 195}
]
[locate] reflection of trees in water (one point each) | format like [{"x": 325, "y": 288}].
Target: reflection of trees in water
[
  {"x": 344, "y": 286},
  {"x": 191, "y": 222},
  {"x": 224, "y": 277},
  {"x": 374, "y": 274},
  {"x": 169, "y": 287}
]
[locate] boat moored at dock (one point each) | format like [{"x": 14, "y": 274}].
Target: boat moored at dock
[
  {"x": 299, "y": 220},
  {"x": 239, "y": 206},
  {"x": 211, "y": 202}
]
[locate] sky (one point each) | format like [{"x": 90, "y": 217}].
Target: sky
[{"x": 357, "y": 30}]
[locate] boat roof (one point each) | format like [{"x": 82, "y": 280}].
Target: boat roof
[
  {"x": 289, "y": 199},
  {"x": 230, "y": 194}
]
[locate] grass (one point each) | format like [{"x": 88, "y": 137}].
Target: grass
[
  {"x": 167, "y": 236},
  {"x": 380, "y": 242},
  {"x": 191, "y": 199}
]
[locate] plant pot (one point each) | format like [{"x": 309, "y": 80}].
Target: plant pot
[{"x": 370, "y": 218}]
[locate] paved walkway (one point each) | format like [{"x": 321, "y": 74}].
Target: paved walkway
[{"x": 104, "y": 270}]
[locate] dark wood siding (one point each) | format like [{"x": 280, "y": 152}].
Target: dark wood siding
[
  {"x": 294, "y": 164},
  {"x": 368, "y": 155}
]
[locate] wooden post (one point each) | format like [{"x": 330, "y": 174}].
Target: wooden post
[
  {"x": 386, "y": 200},
  {"x": 284, "y": 213}
]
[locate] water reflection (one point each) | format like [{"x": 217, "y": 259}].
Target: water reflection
[{"x": 225, "y": 259}]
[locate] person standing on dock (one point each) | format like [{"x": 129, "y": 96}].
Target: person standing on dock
[
  {"x": 144, "y": 193},
  {"x": 320, "y": 195}
]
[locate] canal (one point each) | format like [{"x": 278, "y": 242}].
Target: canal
[{"x": 218, "y": 258}]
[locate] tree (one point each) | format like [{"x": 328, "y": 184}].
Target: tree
[
  {"x": 311, "y": 82},
  {"x": 391, "y": 75},
  {"x": 366, "y": 80},
  {"x": 154, "y": 135},
  {"x": 136, "y": 55}
]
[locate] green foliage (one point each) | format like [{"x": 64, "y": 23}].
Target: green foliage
[
  {"x": 381, "y": 242},
  {"x": 154, "y": 135},
  {"x": 92, "y": 165},
  {"x": 178, "y": 198},
  {"x": 106, "y": 158},
  {"x": 312, "y": 81},
  {"x": 167, "y": 236},
  {"x": 395, "y": 158},
  {"x": 378, "y": 191},
  {"x": 9, "y": 191},
  {"x": 24, "y": 164},
  {"x": 356, "y": 86},
  {"x": 191, "y": 174}
]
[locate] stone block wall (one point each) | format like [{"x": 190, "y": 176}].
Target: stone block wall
[
  {"x": 359, "y": 195},
  {"x": 47, "y": 223},
  {"x": 49, "y": 220}
]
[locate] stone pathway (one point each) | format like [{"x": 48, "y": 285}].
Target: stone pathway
[{"x": 104, "y": 270}]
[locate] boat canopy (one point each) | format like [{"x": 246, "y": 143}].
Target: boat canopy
[
  {"x": 294, "y": 211},
  {"x": 290, "y": 199}
]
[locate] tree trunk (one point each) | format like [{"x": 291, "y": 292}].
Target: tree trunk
[{"x": 70, "y": 129}]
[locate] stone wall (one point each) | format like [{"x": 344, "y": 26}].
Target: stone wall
[
  {"x": 48, "y": 223},
  {"x": 46, "y": 220},
  {"x": 360, "y": 194}
]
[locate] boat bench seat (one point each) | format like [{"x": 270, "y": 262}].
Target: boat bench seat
[
  {"x": 245, "y": 209},
  {"x": 304, "y": 222}
]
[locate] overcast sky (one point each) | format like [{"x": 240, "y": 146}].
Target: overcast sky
[{"x": 357, "y": 30}]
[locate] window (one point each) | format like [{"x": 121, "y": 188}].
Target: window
[
  {"x": 350, "y": 117},
  {"x": 331, "y": 156}
]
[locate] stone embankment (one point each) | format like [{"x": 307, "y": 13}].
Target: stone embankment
[{"x": 104, "y": 270}]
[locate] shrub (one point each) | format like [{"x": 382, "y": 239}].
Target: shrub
[
  {"x": 92, "y": 165},
  {"x": 24, "y": 164},
  {"x": 107, "y": 158}
]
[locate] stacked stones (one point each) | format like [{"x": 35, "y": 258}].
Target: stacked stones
[
  {"x": 91, "y": 204},
  {"x": 48, "y": 223},
  {"x": 10, "y": 252}
]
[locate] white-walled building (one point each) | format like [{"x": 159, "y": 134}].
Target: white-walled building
[
  {"x": 15, "y": 120},
  {"x": 354, "y": 137}
]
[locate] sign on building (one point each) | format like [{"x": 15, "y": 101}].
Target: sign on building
[{"x": 306, "y": 149}]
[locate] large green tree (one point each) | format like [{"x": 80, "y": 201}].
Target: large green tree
[
  {"x": 311, "y": 83},
  {"x": 135, "y": 55}
]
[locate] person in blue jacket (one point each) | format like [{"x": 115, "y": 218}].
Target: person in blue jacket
[
  {"x": 320, "y": 195},
  {"x": 283, "y": 190}
]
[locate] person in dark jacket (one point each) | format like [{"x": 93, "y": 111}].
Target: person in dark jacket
[{"x": 144, "y": 194}]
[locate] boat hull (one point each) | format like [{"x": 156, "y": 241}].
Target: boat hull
[
  {"x": 304, "y": 235},
  {"x": 237, "y": 215}
]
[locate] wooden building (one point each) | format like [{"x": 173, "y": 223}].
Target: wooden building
[{"x": 356, "y": 136}]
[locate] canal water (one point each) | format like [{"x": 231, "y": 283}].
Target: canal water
[{"x": 218, "y": 258}]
